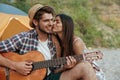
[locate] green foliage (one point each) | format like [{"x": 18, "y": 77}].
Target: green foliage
[
  {"x": 111, "y": 24},
  {"x": 93, "y": 37},
  {"x": 84, "y": 18},
  {"x": 4, "y": 1},
  {"x": 21, "y": 4},
  {"x": 117, "y": 2}
]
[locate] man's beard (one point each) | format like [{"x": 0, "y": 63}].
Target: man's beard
[{"x": 43, "y": 31}]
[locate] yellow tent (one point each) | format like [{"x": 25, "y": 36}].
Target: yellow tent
[{"x": 12, "y": 24}]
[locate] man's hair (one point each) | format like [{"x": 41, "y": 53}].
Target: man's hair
[{"x": 40, "y": 12}]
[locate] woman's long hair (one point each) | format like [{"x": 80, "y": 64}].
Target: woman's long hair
[{"x": 67, "y": 37}]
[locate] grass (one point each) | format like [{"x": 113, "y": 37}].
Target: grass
[{"x": 82, "y": 14}]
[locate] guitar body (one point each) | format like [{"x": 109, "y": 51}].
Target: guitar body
[{"x": 30, "y": 56}]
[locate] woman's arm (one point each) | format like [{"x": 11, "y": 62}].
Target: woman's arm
[{"x": 78, "y": 46}]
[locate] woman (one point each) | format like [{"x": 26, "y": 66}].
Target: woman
[
  {"x": 64, "y": 29},
  {"x": 70, "y": 44}
]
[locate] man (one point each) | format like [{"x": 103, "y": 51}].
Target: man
[{"x": 39, "y": 38}]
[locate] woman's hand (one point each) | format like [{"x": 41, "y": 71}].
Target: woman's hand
[
  {"x": 23, "y": 68},
  {"x": 70, "y": 62}
]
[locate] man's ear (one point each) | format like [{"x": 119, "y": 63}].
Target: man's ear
[{"x": 35, "y": 22}]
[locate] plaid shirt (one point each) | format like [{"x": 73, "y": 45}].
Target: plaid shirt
[{"x": 24, "y": 42}]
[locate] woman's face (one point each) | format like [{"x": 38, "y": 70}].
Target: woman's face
[{"x": 57, "y": 28}]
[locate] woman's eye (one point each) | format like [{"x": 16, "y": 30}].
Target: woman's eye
[{"x": 57, "y": 22}]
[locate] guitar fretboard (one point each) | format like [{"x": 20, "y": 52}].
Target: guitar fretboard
[{"x": 54, "y": 62}]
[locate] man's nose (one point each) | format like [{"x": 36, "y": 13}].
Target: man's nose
[{"x": 51, "y": 22}]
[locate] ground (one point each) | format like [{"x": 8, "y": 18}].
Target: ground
[{"x": 110, "y": 63}]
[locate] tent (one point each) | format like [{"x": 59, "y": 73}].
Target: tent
[
  {"x": 11, "y": 24},
  {"x": 11, "y": 9}
]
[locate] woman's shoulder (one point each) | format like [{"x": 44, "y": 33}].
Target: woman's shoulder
[
  {"x": 77, "y": 39},
  {"x": 78, "y": 45},
  {"x": 78, "y": 42}
]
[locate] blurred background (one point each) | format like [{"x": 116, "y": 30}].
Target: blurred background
[{"x": 97, "y": 22}]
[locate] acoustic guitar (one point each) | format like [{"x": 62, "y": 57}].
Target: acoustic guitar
[{"x": 40, "y": 65}]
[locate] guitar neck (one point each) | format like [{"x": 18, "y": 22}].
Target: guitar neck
[{"x": 54, "y": 62}]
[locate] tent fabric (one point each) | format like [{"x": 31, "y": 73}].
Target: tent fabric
[
  {"x": 11, "y": 24},
  {"x": 11, "y": 9}
]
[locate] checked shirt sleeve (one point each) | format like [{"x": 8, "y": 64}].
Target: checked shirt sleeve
[{"x": 10, "y": 44}]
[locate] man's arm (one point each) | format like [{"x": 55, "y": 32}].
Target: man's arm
[
  {"x": 23, "y": 68},
  {"x": 6, "y": 62}
]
